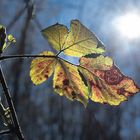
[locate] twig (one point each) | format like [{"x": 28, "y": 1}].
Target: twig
[
  {"x": 35, "y": 55},
  {"x": 25, "y": 56},
  {"x": 17, "y": 128},
  {"x": 5, "y": 132}
]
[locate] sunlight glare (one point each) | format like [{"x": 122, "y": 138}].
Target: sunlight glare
[{"x": 128, "y": 25}]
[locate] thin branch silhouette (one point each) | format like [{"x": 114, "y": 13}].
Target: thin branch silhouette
[{"x": 17, "y": 128}]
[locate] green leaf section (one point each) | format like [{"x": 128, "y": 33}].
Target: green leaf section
[
  {"x": 81, "y": 41},
  {"x": 56, "y": 35},
  {"x": 78, "y": 42}
]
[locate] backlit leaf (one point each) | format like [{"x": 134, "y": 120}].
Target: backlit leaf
[
  {"x": 96, "y": 77},
  {"x": 68, "y": 82},
  {"x": 108, "y": 86},
  {"x": 42, "y": 68},
  {"x": 100, "y": 62},
  {"x": 81, "y": 41},
  {"x": 78, "y": 42},
  {"x": 56, "y": 35}
]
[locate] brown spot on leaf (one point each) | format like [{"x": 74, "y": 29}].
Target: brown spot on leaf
[
  {"x": 113, "y": 76},
  {"x": 104, "y": 103},
  {"x": 121, "y": 91},
  {"x": 40, "y": 78},
  {"x": 65, "y": 88},
  {"x": 91, "y": 83},
  {"x": 57, "y": 87},
  {"x": 46, "y": 76},
  {"x": 39, "y": 65},
  {"x": 66, "y": 82},
  {"x": 73, "y": 95},
  {"x": 128, "y": 94},
  {"x": 37, "y": 70}
]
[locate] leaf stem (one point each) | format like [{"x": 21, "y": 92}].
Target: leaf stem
[
  {"x": 45, "y": 56},
  {"x": 59, "y": 52}
]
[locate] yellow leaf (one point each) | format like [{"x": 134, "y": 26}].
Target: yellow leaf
[
  {"x": 100, "y": 91},
  {"x": 81, "y": 41},
  {"x": 68, "y": 82},
  {"x": 42, "y": 68},
  {"x": 108, "y": 86},
  {"x": 101, "y": 62},
  {"x": 78, "y": 42},
  {"x": 56, "y": 35}
]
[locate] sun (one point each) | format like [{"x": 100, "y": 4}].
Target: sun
[{"x": 128, "y": 25}]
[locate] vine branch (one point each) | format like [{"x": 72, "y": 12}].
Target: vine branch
[
  {"x": 25, "y": 56},
  {"x": 17, "y": 128},
  {"x": 47, "y": 56}
]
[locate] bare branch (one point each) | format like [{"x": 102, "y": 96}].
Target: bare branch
[
  {"x": 5, "y": 132},
  {"x": 17, "y": 128},
  {"x": 25, "y": 56}
]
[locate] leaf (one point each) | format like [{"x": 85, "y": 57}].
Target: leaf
[
  {"x": 96, "y": 77},
  {"x": 56, "y": 35},
  {"x": 11, "y": 38},
  {"x": 107, "y": 85},
  {"x": 2, "y": 38},
  {"x": 81, "y": 41},
  {"x": 100, "y": 62},
  {"x": 42, "y": 68},
  {"x": 78, "y": 42},
  {"x": 68, "y": 82}
]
